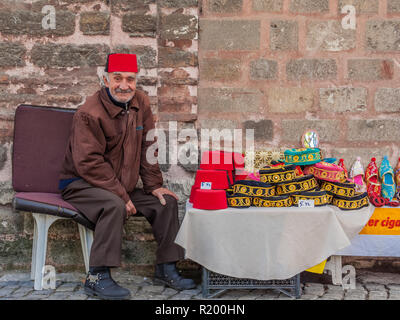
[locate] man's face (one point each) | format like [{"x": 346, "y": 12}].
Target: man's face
[{"x": 122, "y": 85}]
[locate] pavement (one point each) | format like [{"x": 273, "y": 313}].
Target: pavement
[{"x": 69, "y": 286}]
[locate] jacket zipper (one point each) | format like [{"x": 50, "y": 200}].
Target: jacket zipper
[
  {"x": 127, "y": 122},
  {"x": 125, "y": 137}
]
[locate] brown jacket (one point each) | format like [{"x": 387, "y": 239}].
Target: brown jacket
[{"x": 107, "y": 146}]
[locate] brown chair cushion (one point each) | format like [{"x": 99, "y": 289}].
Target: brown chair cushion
[{"x": 49, "y": 203}]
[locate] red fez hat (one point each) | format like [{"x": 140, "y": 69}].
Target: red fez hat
[
  {"x": 210, "y": 199},
  {"x": 238, "y": 159},
  {"x": 216, "y": 160},
  {"x": 241, "y": 174},
  {"x": 121, "y": 62},
  {"x": 192, "y": 194},
  {"x": 217, "y": 178}
]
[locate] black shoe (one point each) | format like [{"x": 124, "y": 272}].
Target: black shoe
[
  {"x": 167, "y": 274},
  {"x": 102, "y": 285}
]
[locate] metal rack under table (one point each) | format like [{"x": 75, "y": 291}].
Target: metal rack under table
[{"x": 212, "y": 281}]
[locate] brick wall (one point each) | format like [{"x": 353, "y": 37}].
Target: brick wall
[{"x": 61, "y": 67}]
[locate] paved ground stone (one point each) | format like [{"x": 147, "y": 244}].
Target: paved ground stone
[
  {"x": 369, "y": 286},
  {"x": 394, "y": 295},
  {"x": 269, "y": 295},
  {"x": 68, "y": 286},
  {"x": 169, "y": 291},
  {"x": 5, "y": 292},
  {"x": 78, "y": 297},
  {"x": 309, "y": 297},
  {"x": 355, "y": 296},
  {"x": 393, "y": 287},
  {"x": 314, "y": 289},
  {"x": 152, "y": 289},
  {"x": 375, "y": 287},
  {"x": 182, "y": 296},
  {"x": 377, "y": 295},
  {"x": 334, "y": 295},
  {"x": 59, "y": 296},
  {"x": 21, "y": 292},
  {"x": 356, "y": 293}
]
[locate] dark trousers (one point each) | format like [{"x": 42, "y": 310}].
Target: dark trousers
[{"x": 107, "y": 211}]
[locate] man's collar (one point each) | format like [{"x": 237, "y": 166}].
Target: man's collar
[{"x": 111, "y": 108}]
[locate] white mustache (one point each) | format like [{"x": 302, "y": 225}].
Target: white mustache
[{"x": 123, "y": 91}]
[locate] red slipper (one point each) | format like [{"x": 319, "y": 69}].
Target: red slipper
[
  {"x": 393, "y": 203},
  {"x": 377, "y": 201},
  {"x": 371, "y": 177},
  {"x": 341, "y": 164}
]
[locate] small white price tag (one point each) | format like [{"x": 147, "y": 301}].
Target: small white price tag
[
  {"x": 206, "y": 185},
  {"x": 306, "y": 203}
]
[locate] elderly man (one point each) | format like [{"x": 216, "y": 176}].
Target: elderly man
[{"x": 105, "y": 156}]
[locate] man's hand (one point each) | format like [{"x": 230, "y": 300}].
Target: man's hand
[
  {"x": 130, "y": 208},
  {"x": 159, "y": 194}
]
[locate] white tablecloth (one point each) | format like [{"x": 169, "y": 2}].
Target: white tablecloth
[{"x": 267, "y": 243}]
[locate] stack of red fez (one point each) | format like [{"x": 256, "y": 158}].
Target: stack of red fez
[{"x": 218, "y": 171}]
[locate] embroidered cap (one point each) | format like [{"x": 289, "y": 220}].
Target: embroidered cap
[
  {"x": 275, "y": 201},
  {"x": 278, "y": 174},
  {"x": 304, "y": 183},
  {"x": 302, "y": 156},
  {"x": 238, "y": 200},
  {"x": 342, "y": 189},
  {"x": 253, "y": 188},
  {"x": 358, "y": 201},
  {"x": 326, "y": 171},
  {"x": 320, "y": 197}
]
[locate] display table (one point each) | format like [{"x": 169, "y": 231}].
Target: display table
[{"x": 267, "y": 243}]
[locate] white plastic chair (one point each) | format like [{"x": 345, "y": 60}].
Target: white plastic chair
[{"x": 42, "y": 223}]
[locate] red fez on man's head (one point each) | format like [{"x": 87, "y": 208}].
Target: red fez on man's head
[{"x": 121, "y": 62}]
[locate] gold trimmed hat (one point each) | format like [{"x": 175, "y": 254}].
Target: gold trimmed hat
[
  {"x": 326, "y": 171},
  {"x": 238, "y": 200},
  {"x": 358, "y": 201},
  {"x": 277, "y": 201},
  {"x": 341, "y": 189},
  {"x": 253, "y": 188},
  {"x": 304, "y": 183},
  {"x": 278, "y": 174},
  {"x": 320, "y": 197},
  {"x": 302, "y": 156}
]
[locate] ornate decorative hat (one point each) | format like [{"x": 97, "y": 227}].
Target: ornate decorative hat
[
  {"x": 304, "y": 183},
  {"x": 342, "y": 189},
  {"x": 238, "y": 200},
  {"x": 278, "y": 174},
  {"x": 358, "y": 201},
  {"x": 276, "y": 201},
  {"x": 320, "y": 197},
  {"x": 326, "y": 171},
  {"x": 253, "y": 188},
  {"x": 302, "y": 156}
]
